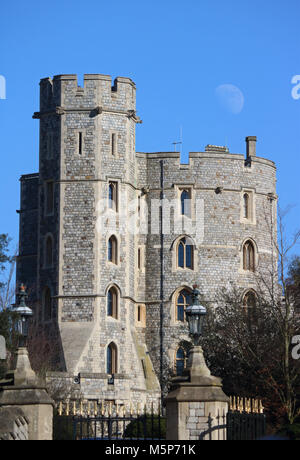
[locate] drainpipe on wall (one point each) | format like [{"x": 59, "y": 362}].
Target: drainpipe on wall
[{"x": 162, "y": 196}]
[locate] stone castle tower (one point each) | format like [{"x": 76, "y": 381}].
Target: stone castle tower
[{"x": 110, "y": 269}]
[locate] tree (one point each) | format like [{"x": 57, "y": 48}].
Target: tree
[{"x": 4, "y": 257}]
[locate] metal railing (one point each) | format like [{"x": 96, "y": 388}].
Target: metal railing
[{"x": 91, "y": 420}]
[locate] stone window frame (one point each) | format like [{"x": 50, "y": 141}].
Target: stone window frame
[
  {"x": 140, "y": 258},
  {"x": 47, "y": 263},
  {"x": 245, "y": 306},
  {"x": 115, "y": 195},
  {"x": 251, "y": 219},
  {"x": 140, "y": 315},
  {"x": 172, "y": 352},
  {"x": 244, "y": 270},
  {"x": 182, "y": 243},
  {"x": 116, "y": 305},
  {"x": 49, "y": 210},
  {"x": 175, "y": 247},
  {"x": 179, "y": 189},
  {"x": 250, "y": 310},
  {"x": 115, "y": 250},
  {"x": 114, "y": 358},
  {"x": 114, "y": 143},
  {"x": 76, "y": 132},
  {"x": 174, "y": 303}
]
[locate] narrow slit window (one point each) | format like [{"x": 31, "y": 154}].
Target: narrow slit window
[
  {"x": 112, "y": 303},
  {"x": 111, "y": 359},
  {"x": 113, "y": 250},
  {"x": 80, "y": 143},
  {"x": 139, "y": 258},
  {"x": 113, "y": 144},
  {"x": 139, "y": 313},
  {"x": 246, "y": 205},
  {"x": 113, "y": 195}
]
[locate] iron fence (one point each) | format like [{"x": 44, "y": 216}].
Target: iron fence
[
  {"x": 88, "y": 421},
  {"x": 245, "y": 420}
]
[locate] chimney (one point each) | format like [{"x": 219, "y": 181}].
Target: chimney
[{"x": 251, "y": 146}]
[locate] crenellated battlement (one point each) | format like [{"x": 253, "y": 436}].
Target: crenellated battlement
[{"x": 98, "y": 92}]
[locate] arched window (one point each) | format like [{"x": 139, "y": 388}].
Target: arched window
[
  {"x": 249, "y": 307},
  {"x": 49, "y": 251},
  {"x": 113, "y": 250},
  {"x": 249, "y": 256},
  {"x": 180, "y": 361},
  {"x": 47, "y": 304},
  {"x": 183, "y": 300},
  {"x": 246, "y": 206},
  {"x": 185, "y": 201},
  {"x": 250, "y": 300},
  {"x": 185, "y": 254},
  {"x": 111, "y": 359},
  {"x": 112, "y": 302}
]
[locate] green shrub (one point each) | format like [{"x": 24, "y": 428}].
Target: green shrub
[
  {"x": 291, "y": 432},
  {"x": 62, "y": 428},
  {"x": 147, "y": 426}
]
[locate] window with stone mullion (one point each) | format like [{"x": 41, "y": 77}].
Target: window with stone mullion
[{"x": 185, "y": 254}]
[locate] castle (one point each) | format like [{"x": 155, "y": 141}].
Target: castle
[{"x": 113, "y": 240}]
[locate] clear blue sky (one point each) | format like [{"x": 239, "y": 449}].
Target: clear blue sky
[{"x": 178, "y": 53}]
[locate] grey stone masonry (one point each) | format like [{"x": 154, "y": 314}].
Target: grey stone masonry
[
  {"x": 92, "y": 185},
  {"x": 13, "y": 424}
]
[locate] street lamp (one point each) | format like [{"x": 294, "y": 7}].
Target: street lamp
[
  {"x": 195, "y": 315},
  {"x": 25, "y": 314}
]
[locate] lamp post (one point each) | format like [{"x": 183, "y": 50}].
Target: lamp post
[
  {"x": 195, "y": 315},
  {"x": 197, "y": 402},
  {"x": 25, "y": 314}
]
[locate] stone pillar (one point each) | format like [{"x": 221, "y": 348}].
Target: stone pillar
[
  {"x": 197, "y": 405},
  {"x": 24, "y": 392}
]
